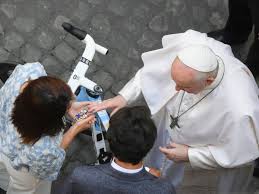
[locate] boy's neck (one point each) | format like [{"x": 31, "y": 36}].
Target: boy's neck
[{"x": 128, "y": 165}]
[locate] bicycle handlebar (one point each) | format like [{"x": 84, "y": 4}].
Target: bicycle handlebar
[{"x": 82, "y": 35}]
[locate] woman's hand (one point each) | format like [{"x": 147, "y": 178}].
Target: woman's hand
[
  {"x": 78, "y": 127},
  {"x": 115, "y": 104},
  {"x": 84, "y": 124},
  {"x": 76, "y": 107}
]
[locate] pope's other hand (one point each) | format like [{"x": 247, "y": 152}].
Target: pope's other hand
[{"x": 176, "y": 152}]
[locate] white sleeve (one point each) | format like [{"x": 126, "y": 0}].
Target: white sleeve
[
  {"x": 132, "y": 90},
  {"x": 201, "y": 157}
]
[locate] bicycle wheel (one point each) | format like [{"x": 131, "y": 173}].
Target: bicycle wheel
[{"x": 6, "y": 69}]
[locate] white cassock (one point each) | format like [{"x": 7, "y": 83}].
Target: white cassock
[{"x": 222, "y": 130}]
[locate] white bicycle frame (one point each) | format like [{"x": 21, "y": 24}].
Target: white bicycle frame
[
  {"x": 78, "y": 79},
  {"x": 78, "y": 76}
]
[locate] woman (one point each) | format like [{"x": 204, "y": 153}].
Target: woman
[{"x": 32, "y": 143}]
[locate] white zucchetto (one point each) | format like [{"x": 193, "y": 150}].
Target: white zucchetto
[{"x": 199, "y": 57}]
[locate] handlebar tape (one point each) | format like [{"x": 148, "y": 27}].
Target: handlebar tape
[{"x": 80, "y": 34}]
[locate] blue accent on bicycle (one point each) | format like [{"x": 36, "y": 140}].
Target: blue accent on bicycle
[{"x": 83, "y": 96}]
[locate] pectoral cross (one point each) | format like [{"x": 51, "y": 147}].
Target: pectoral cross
[{"x": 174, "y": 122}]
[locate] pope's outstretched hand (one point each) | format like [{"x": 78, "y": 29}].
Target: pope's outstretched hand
[{"x": 114, "y": 103}]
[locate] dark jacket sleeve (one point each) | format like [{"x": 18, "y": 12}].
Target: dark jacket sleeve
[{"x": 63, "y": 186}]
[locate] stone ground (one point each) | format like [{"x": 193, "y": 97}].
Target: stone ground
[{"x": 31, "y": 31}]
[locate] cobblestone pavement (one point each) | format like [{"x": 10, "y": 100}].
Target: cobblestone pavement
[{"x": 30, "y": 30}]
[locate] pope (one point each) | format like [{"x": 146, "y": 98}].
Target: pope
[{"x": 205, "y": 105}]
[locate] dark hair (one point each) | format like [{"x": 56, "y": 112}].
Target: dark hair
[
  {"x": 39, "y": 108},
  {"x": 131, "y": 134}
]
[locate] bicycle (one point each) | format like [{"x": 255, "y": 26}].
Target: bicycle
[{"x": 87, "y": 90}]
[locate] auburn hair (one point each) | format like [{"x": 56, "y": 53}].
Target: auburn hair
[{"x": 39, "y": 109}]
